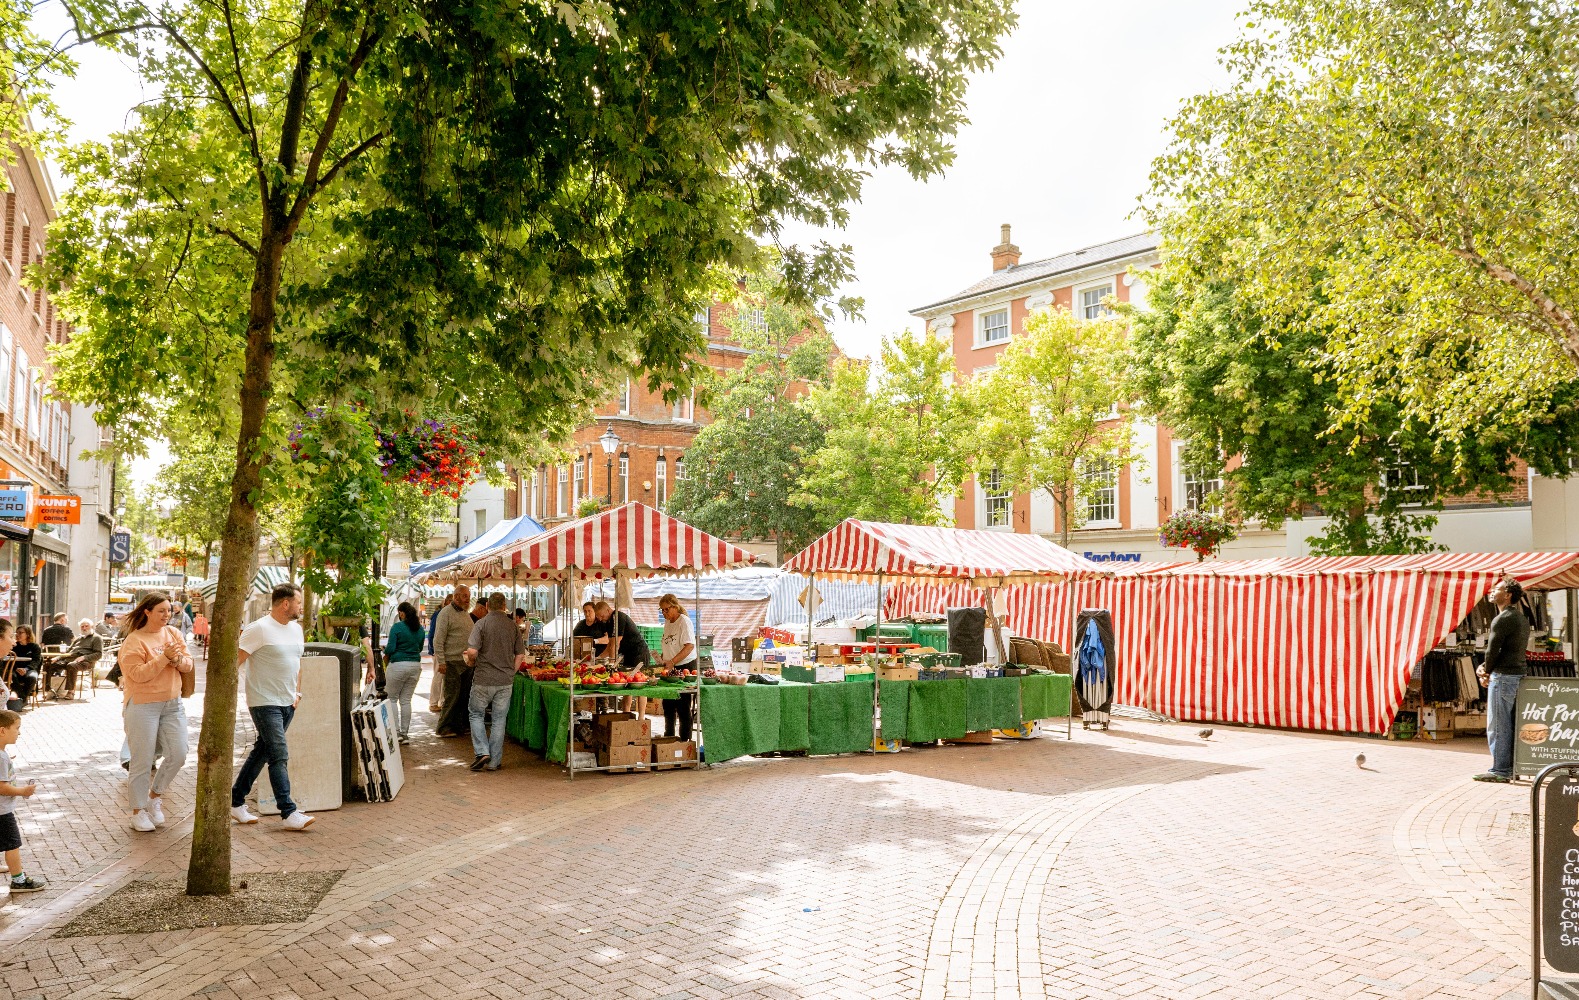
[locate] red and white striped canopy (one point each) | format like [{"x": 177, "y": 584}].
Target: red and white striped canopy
[
  {"x": 1310, "y": 643},
  {"x": 632, "y": 539},
  {"x": 863, "y": 550}
]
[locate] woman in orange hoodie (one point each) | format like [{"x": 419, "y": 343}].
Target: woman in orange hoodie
[{"x": 153, "y": 657}]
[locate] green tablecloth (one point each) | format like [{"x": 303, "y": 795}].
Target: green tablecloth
[
  {"x": 841, "y": 717},
  {"x": 820, "y": 718},
  {"x": 937, "y": 710},
  {"x": 992, "y": 703},
  {"x": 1045, "y": 696}
]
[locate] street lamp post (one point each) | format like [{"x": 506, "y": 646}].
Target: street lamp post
[{"x": 610, "y": 442}]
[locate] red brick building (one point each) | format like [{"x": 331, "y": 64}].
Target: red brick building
[
  {"x": 1129, "y": 503},
  {"x": 650, "y": 457}
]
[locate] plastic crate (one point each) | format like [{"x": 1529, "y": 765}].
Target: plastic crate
[
  {"x": 651, "y": 634},
  {"x": 935, "y": 636}
]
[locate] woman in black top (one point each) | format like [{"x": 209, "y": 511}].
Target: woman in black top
[
  {"x": 589, "y": 627},
  {"x": 29, "y": 662}
]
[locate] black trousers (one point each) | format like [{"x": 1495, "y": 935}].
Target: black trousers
[{"x": 679, "y": 713}]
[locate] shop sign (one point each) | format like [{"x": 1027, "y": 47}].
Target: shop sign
[
  {"x": 1121, "y": 557},
  {"x": 120, "y": 546},
  {"x": 1559, "y": 874},
  {"x": 1546, "y": 723},
  {"x": 13, "y": 505},
  {"x": 59, "y": 510}
]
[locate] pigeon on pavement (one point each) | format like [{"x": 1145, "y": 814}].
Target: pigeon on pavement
[
  {"x": 1359, "y": 760},
  {"x": 1205, "y": 734}
]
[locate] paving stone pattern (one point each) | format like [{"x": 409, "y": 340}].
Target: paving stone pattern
[{"x": 1137, "y": 863}]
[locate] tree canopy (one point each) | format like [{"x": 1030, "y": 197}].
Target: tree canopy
[
  {"x": 1395, "y": 182},
  {"x": 896, "y": 439},
  {"x": 490, "y": 209},
  {"x": 742, "y": 468},
  {"x": 1053, "y": 410}
]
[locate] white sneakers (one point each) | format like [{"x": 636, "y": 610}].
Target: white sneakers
[
  {"x": 295, "y": 822},
  {"x": 142, "y": 822},
  {"x": 156, "y": 811}
]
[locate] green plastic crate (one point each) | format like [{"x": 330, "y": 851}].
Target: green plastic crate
[
  {"x": 935, "y": 636},
  {"x": 651, "y": 634}
]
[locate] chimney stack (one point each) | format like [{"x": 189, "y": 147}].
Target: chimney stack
[{"x": 1005, "y": 254}]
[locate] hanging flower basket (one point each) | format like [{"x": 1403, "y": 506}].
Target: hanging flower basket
[
  {"x": 1198, "y": 530},
  {"x": 433, "y": 456}
]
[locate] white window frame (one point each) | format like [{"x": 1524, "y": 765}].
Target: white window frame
[
  {"x": 982, "y": 316},
  {"x": 1108, "y": 286},
  {"x": 625, "y": 398},
  {"x": 1193, "y": 492},
  {"x": 35, "y": 404},
  {"x": 1396, "y": 471},
  {"x": 7, "y": 353},
  {"x": 685, "y": 408},
  {"x": 19, "y": 392},
  {"x": 625, "y": 478},
  {"x": 679, "y": 468},
  {"x": 531, "y": 500},
  {"x": 578, "y": 483},
  {"x": 479, "y": 521},
  {"x": 997, "y": 504},
  {"x": 562, "y": 495},
  {"x": 1103, "y": 522},
  {"x": 660, "y": 478}
]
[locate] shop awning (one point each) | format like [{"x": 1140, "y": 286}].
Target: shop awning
[
  {"x": 504, "y": 533},
  {"x": 863, "y": 550},
  {"x": 632, "y": 539}
]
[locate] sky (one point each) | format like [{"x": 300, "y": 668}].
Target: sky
[{"x": 1062, "y": 133}]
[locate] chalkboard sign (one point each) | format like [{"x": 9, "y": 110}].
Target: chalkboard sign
[
  {"x": 1545, "y": 723},
  {"x": 1560, "y": 873}
]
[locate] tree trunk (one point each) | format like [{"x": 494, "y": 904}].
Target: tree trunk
[{"x": 208, "y": 871}]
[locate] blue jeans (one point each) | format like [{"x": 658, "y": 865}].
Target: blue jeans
[
  {"x": 270, "y": 749},
  {"x": 1500, "y": 724},
  {"x": 484, "y": 696}
]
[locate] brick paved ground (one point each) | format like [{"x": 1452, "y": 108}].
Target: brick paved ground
[{"x": 1141, "y": 862}]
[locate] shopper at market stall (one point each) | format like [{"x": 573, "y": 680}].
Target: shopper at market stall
[
  {"x": 452, "y": 627},
  {"x": 633, "y": 650},
  {"x": 496, "y": 648},
  {"x": 404, "y": 652},
  {"x": 1505, "y": 664},
  {"x": 678, "y": 653},
  {"x": 153, "y": 659}
]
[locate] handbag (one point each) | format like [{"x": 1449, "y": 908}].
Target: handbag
[{"x": 188, "y": 677}]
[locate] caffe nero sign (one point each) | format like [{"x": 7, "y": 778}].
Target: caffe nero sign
[{"x": 1546, "y": 723}]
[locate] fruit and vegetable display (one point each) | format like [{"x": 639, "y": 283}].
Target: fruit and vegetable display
[{"x": 601, "y": 675}]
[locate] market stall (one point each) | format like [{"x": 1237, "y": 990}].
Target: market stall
[
  {"x": 1324, "y": 643},
  {"x": 630, "y": 541},
  {"x": 986, "y": 561}
]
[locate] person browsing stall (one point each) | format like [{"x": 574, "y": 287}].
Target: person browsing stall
[
  {"x": 1504, "y": 666},
  {"x": 451, "y": 629},
  {"x": 496, "y": 649}
]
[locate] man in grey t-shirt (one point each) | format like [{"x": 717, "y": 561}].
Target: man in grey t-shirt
[{"x": 495, "y": 650}]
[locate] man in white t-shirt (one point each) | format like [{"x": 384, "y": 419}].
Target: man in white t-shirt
[{"x": 271, "y": 650}]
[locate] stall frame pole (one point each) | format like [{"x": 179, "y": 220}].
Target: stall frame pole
[
  {"x": 811, "y": 603},
  {"x": 570, "y": 706},
  {"x": 877, "y": 633},
  {"x": 696, "y": 634}
]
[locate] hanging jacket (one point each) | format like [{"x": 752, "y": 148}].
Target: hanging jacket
[{"x": 1093, "y": 656}]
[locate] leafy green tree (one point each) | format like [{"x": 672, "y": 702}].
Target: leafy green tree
[
  {"x": 1396, "y": 180},
  {"x": 412, "y": 514},
  {"x": 743, "y": 468},
  {"x": 196, "y": 486},
  {"x": 1211, "y": 367},
  {"x": 895, "y": 441},
  {"x": 1053, "y": 409},
  {"x": 489, "y": 208}
]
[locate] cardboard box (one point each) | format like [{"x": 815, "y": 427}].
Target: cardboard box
[
  {"x": 827, "y": 653},
  {"x": 584, "y": 647},
  {"x": 1436, "y": 718},
  {"x": 616, "y": 729},
  {"x": 670, "y": 752},
  {"x": 625, "y": 756},
  {"x": 770, "y": 669},
  {"x": 985, "y": 736},
  {"x": 898, "y": 673}
]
